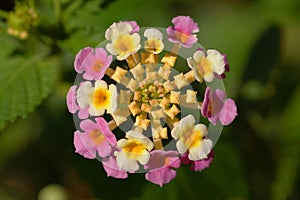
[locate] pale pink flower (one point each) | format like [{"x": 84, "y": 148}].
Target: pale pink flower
[
  {"x": 160, "y": 165},
  {"x": 80, "y": 57},
  {"x": 73, "y": 106},
  {"x": 215, "y": 108},
  {"x": 95, "y": 64},
  {"x": 182, "y": 32},
  {"x": 96, "y": 138}
]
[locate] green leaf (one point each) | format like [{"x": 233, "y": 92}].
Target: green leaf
[{"x": 24, "y": 84}]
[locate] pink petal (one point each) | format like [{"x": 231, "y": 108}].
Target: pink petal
[
  {"x": 227, "y": 68},
  {"x": 88, "y": 125},
  {"x": 185, "y": 24},
  {"x": 173, "y": 37},
  {"x": 161, "y": 176},
  {"x": 206, "y": 102},
  {"x": 218, "y": 95},
  {"x": 158, "y": 159},
  {"x": 83, "y": 113},
  {"x": 185, "y": 158},
  {"x": 105, "y": 130},
  {"x": 228, "y": 113},
  {"x": 83, "y": 147},
  {"x": 71, "y": 100},
  {"x": 204, "y": 163},
  {"x": 80, "y": 56},
  {"x": 99, "y": 55},
  {"x": 112, "y": 169},
  {"x": 104, "y": 149}
]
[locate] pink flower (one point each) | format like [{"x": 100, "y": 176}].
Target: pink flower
[
  {"x": 73, "y": 106},
  {"x": 216, "y": 109},
  {"x": 97, "y": 137},
  {"x": 198, "y": 165},
  {"x": 160, "y": 165},
  {"x": 111, "y": 168},
  {"x": 80, "y": 56},
  {"x": 182, "y": 32},
  {"x": 95, "y": 64}
]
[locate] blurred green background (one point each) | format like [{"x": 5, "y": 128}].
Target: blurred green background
[{"x": 257, "y": 157}]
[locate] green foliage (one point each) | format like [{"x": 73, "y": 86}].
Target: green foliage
[{"x": 24, "y": 84}]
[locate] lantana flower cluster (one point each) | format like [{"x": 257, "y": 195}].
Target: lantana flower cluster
[{"x": 136, "y": 108}]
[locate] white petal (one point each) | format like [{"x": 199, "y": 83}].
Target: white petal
[
  {"x": 96, "y": 111},
  {"x": 83, "y": 94},
  {"x": 153, "y": 33},
  {"x": 100, "y": 84},
  {"x": 117, "y": 29},
  {"x": 136, "y": 39},
  {"x": 113, "y": 99},
  {"x": 208, "y": 77},
  {"x": 191, "y": 62},
  {"x": 198, "y": 55},
  {"x": 202, "y": 128},
  {"x": 181, "y": 147},
  {"x": 217, "y": 60},
  {"x": 111, "y": 49},
  {"x": 126, "y": 163},
  {"x": 201, "y": 151},
  {"x": 144, "y": 157}
]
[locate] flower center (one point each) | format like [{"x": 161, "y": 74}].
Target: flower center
[
  {"x": 96, "y": 136},
  {"x": 196, "y": 138},
  {"x": 204, "y": 66},
  {"x": 97, "y": 66},
  {"x": 124, "y": 43},
  {"x": 135, "y": 148},
  {"x": 183, "y": 37},
  {"x": 153, "y": 45},
  {"x": 101, "y": 97},
  {"x": 192, "y": 138}
]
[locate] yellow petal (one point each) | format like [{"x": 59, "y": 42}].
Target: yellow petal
[
  {"x": 124, "y": 97},
  {"x": 174, "y": 97},
  {"x": 118, "y": 74},
  {"x": 134, "y": 108},
  {"x": 120, "y": 116},
  {"x": 169, "y": 60},
  {"x": 148, "y": 58},
  {"x": 140, "y": 122},
  {"x": 157, "y": 114},
  {"x": 191, "y": 96},
  {"x": 180, "y": 81},
  {"x": 138, "y": 72},
  {"x": 132, "y": 85},
  {"x": 172, "y": 112}
]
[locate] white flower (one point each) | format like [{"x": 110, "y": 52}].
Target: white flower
[
  {"x": 98, "y": 98},
  {"x": 134, "y": 149},
  {"x": 154, "y": 43},
  {"x": 205, "y": 66},
  {"x": 116, "y": 29},
  {"x": 191, "y": 138}
]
